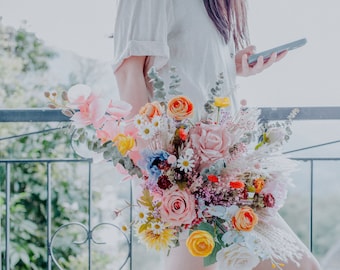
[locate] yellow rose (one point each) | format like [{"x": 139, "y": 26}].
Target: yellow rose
[
  {"x": 124, "y": 143},
  {"x": 245, "y": 219},
  {"x": 180, "y": 108},
  {"x": 222, "y": 102},
  {"x": 200, "y": 243}
]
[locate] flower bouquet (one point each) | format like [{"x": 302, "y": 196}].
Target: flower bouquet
[{"x": 211, "y": 181}]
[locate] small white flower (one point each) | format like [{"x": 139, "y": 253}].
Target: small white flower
[
  {"x": 142, "y": 215},
  {"x": 138, "y": 120},
  {"x": 147, "y": 131},
  {"x": 156, "y": 122},
  {"x": 157, "y": 227},
  {"x": 276, "y": 135},
  {"x": 189, "y": 153},
  {"x": 185, "y": 163}
]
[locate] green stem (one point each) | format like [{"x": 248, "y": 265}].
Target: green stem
[{"x": 218, "y": 114}]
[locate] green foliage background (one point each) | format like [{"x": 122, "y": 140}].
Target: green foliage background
[{"x": 23, "y": 65}]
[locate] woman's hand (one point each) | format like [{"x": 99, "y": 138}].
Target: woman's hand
[{"x": 245, "y": 70}]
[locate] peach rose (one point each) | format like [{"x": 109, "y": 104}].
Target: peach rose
[
  {"x": 178, "y": 206},
  {"x": 200, "y": 243},
  {"x": 150, "y": 110},
  {"x": 245, "y": 219},
  {"x": 180, "y": 108}
]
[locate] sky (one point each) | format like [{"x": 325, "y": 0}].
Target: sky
[{"x": 308, "y": 76}]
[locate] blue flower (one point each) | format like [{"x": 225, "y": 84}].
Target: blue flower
[{"x": 154, "y": 162}]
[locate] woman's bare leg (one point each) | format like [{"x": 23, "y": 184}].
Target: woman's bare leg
[{"x": 180, "y": 259}]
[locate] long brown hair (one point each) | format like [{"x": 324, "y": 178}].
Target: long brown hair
[{"x": 230, "y": 19}]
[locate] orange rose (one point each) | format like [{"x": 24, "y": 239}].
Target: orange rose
[
  {"x": 200, "y": 243},
  {"x": 180, "y": 107},
  {"x": 258, "y": 184},
  {"x": 150, "y": 110},
  {"x": 236, "y": 184},
  {"x": 245, "y": 219}
]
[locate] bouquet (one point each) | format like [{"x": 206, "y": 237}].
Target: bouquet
[{"x": 210, "y": 180}]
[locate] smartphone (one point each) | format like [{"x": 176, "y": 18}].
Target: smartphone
[{"x": 252, "y": 59}]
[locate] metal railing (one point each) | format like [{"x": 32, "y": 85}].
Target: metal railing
[
  {"x": 88, "y": 229},
  {"x": 45, "y": 116}
]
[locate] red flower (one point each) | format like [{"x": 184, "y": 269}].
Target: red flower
[
  {"x": 269, "y": 200},
  {"x": 182, "y": 134},
  {"x": 213, "y": 178},
  {"x": 236, "y": 184},
  {"x": 164, "y": 182}
]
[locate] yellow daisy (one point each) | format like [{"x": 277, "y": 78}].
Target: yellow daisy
[{"x": 159, "y": 241}]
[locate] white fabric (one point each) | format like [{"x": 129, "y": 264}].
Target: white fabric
[
  {"x": 179, "y": 33},
  {"x": 176, "y": 33}
]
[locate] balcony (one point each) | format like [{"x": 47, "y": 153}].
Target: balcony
[{"x": 91, "y": 238}]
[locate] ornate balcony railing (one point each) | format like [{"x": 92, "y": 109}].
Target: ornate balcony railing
[{"x": 16, "y": 116}]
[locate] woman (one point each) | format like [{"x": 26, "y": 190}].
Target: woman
[{"x": 201, "y": 38}]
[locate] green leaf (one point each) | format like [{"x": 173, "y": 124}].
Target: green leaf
[
  {"x": 206, "y": 227},
  {"x": 211, "y": 259}
]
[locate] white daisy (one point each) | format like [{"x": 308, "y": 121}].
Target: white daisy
[
  {"x": 156, "y": 122},
  {"x": 142, "y": 215},
  {"x": 139, "y": 120},
  {"x": 157, "y": 227},
  {"x": 185, "y": 163},
  {"x": 147, "y": 131}
]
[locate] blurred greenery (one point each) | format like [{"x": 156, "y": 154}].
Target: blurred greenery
[
  {"x": 25, "y": 74},
  {"x": 23, "y": 64}
]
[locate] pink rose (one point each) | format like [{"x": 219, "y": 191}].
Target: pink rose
[
  {"x": 210, "y": 142},
  {"x": 178, "y": 206}
]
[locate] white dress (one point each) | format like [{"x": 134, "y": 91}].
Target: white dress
[
  {"x": 180, "y": 33},
  {"x": 176, "y": 33}
]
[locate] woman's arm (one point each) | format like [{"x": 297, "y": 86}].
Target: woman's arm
[{"x": 131, "y": 82}]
